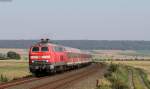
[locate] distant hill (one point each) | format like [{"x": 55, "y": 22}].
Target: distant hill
[{"x": 83, "y": 44}]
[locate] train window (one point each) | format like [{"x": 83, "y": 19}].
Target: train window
[
  {"x": 73, "y": 55},
  {"x": 58, "y": 49},
  {"x": 70, "y": 55},
  {"x": 35, "y": 49},
  {"x": 44, "y": 49}
]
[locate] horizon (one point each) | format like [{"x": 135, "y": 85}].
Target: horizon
[{"x": 65, "y": 40}]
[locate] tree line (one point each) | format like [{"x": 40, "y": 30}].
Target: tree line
[{"x": 83, "y": 44}]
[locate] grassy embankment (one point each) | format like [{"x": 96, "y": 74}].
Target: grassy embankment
[
  {"x": 124, "y": 77},
  {"x": 12, "y": 69},
  {"x": 115, "y": 78}
]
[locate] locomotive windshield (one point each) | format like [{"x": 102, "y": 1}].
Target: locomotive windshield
[
  {"x": 44, "y": 49},
  {"x": 35, "y": 49}
]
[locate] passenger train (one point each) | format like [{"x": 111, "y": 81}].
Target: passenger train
[{"x": 46, "y": 57}]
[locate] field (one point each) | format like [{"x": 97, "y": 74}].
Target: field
[
  {"x": 145, "y": 65},
  {"x": 133, "y": 71},
  {"x": 142, "y": 53},
  {"x": 13, "y": 69},
  {"x": 122, "y": 54}
]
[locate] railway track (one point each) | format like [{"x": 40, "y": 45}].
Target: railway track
[
  {"x": 53, "y": 82},
  {"x": 19, "y": 81},
  {"x": 62, "y": 83}
]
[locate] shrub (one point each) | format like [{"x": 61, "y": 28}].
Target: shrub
[{"x": 13, "y": 55}]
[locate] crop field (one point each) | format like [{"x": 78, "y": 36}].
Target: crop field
[
  {"x": 12, "y": 69},
  {"x": 136, "y": 53}
]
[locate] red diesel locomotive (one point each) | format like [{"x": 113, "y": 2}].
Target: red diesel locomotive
[{"x": 47, "y": 57}]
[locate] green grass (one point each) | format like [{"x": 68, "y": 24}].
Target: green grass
[
  {"x": 117, "y": 76},
  {"x": 144, "y": 77},
  {"x": 143, "y": 65}
]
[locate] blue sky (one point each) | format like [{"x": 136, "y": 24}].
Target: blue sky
[{"x": 75, "y": 19}]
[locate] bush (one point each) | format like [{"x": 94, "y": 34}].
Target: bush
[{"x": 13, "y": 55}]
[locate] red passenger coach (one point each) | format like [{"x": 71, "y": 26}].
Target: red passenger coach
[{"x": 47, "y": 57}]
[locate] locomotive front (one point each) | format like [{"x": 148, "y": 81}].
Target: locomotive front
[{"x": 39, "y": 57}]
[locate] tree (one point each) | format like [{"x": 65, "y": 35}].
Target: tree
[{"x": 13, "y": 55}]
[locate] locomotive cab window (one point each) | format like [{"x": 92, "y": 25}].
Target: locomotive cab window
[
  {"x": 44, "y": 49},
  {"x": 35, "y": 49}
]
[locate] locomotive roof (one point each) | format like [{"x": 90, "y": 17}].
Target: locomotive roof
[{"x": 67, "y": 49}]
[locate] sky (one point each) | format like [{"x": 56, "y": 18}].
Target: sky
[{"x": 75, "y": 19}]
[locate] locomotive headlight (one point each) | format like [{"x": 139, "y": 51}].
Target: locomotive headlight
[
  {"x": 32, "y": 61},
  {"x": 34, "y": 57},
  {"x": 46, "y": 57},
  {"x": 46, "y": 60}
]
